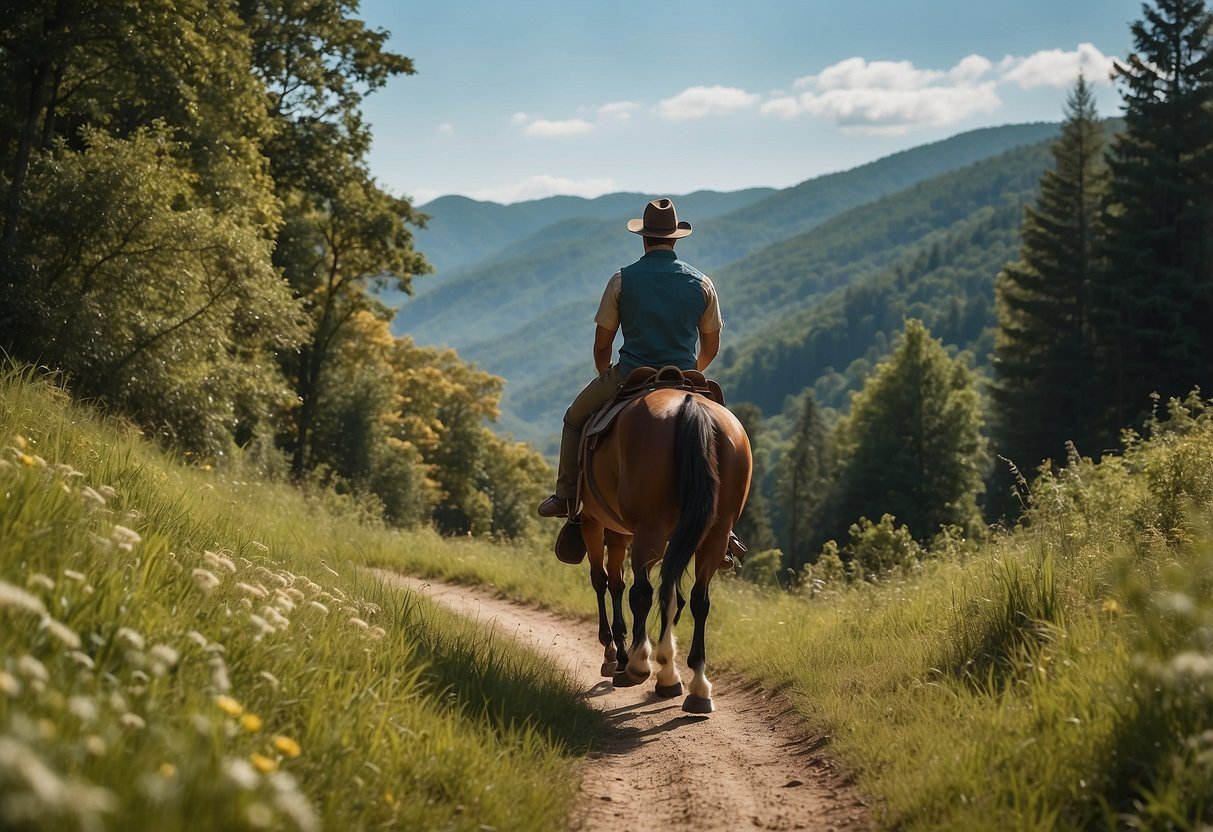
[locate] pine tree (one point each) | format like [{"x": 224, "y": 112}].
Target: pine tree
[
  {"x": 1043, "y": 349},
  {"x": 1157, "y": 335},
  {"x": 803, "y": 484},
  {"x": 912, "y": 445}
]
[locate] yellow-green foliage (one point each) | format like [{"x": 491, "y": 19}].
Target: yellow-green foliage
[{"x": 181, "y": 649}]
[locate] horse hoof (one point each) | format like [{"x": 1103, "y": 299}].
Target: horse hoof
[
  {"x": 628, "y": 679},
  {"x": 698, "y": 704},
  {"x": 667, "y": 691},
  {"x": 608, "y": 669}
]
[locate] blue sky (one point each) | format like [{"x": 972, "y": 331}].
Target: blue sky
[{"x": 521, "y": 100}]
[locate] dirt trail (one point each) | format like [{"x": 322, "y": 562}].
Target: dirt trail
[{"x": 747, "y": 766}]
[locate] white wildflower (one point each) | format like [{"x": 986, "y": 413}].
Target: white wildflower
[
  {"x": 319, "y": 607},
  {"x": 282, "y": 601},
  {"x": 241, "y": 772},
  {"x": 107, "y": 491},
  {"x": 204, "y": 581},
  {"x": 219, "y": 679},
  {"x": 259, "y": 816},
  {"x": 277, "y": 619},
  {"x": 217, "y": 561},
  {"x": 370, "y": 608},
  {"x": 1190, "y": 663},
  {"x": 295, "y": 595},
  {"x": 82, "y": 708},
  {"x": 376, "y": 632},
  {"x": 14, "y": 597},
  {"x": 163, "y": 659},
  {"x": 253, "y": 591},
  {"x": 82, "y": 659},
  {"x": 40, "y": 580},
  {"x": 340, "y": 595},
  {"x": 65, "y": 470},
  {"x": 95, "y": 745},
  {"x": 197, "y": 638},
  {"x": 9, "y": 685},
  {"x": 358, "y": 622},
  {"x": 74, "y": 575},
  {"x": 261, "y": 547},
  {"x": 32, "y": 669},
  {"x": 132, "y": 722},
  {"x": 62, "y": 633},
  {"x": 91, "y": 497},
  {"x": 130, "y": 638},
  {"x": 215, "y": 647},
  {"x": 269, "y": 677},
  {"x": 260, "y": 626},
  {"x": 124, "y": 538}
]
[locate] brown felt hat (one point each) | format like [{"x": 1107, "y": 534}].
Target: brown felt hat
[{"x": 660, "y": 220}]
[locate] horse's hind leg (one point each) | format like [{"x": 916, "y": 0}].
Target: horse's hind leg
[
  {"x": 647, "y": 547},
  {"x": 669, "y": 682},
  {"x": 707, "y": 559}
]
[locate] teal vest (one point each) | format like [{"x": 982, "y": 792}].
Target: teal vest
[{"x": 661, "y": 300}]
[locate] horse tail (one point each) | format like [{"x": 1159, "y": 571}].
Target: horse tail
[{"x": 695, "y": 463}]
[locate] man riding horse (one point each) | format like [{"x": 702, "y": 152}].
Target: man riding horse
[{"x": 670, "y": 317}]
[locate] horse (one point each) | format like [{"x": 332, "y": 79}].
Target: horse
[{"x": 672, "y": 474}]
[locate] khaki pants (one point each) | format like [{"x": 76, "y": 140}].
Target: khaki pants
[{"x": 591, "y": 397}]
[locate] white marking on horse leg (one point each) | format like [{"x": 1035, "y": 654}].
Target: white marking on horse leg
[
  {"x": 700, "y": 686},
  {"x": 667, "y": 673},
  {"x": 638, "y": 659}
]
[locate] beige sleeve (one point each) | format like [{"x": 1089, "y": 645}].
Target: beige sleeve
[
  {"x": 710, "y": 321},
  {"x": 608, "y": 308}
]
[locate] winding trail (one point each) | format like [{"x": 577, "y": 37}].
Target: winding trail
[{"x": 747, "y": 766}]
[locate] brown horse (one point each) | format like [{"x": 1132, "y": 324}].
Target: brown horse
[{"x": 673, "y": 474}]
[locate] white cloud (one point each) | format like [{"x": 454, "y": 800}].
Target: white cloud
[
  {"x": 549, "y": 129},
  {"x": 518, "y": 119},
  {"x": 1056, "y": 68},
  {"x": 618, "y": 110},
  {"x": 543, "y": 185},
  {"x": 446, "y": 128},
  {"x": 697, "y": 102},
  {"x": 890, "y": 96}
]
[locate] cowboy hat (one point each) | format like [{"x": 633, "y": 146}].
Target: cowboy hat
[{"x": 660, "y": 220}]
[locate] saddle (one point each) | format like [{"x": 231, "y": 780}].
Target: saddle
[{"x": 640, "y": 381}]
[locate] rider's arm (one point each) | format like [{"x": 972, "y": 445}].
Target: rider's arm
[
  {"x": 603, "y": 339},
  {"x": 709, "y": 345}
]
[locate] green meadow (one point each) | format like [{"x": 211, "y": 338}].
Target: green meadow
[{"x": 187, "y": 647}]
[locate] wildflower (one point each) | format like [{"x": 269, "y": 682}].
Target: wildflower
[
  {"x": 260, "y": 625},
  {"x": 9, "y": 685},
  {"x": 107, "y": 491},
  {"x": 61, "y": 632},
  {"x": 219, "y": 680},
  {"x": 130, "y": 638},
  {"x": 229, "y": 705},
  {"x": 167, "y": 770},
  {"x": 163, "y": 657},
  {"x": 25, "y": 459},
  {"x": 217, "y": 561},
  {"x": 32, "y": 669},
  {"x": 250, "y": 723},
  {"x": 287, "y": 746},
  {"x": 241, "y": 773},
  {"x": 38, "y": 579},
  {"x": 389, "y": 798},
  {"x": 259, "y": 816},
  {"x": 261, "y": 547},
  {"x": 133, "y": 722},
  {"x": 204, "y": 581},
  {"x": 82, "y": 659},
  {"x": 83, "y": 708},
  {"x": 282, "y": 601},
  {"x": 294, "y": 594},
  {"x": 91, "y": 497},
  {"x": 319, "y": 607},
  {"x": 74, "y": 575},
  {"x": 65, "y": 470},
  {"x": 251, "y": 590},
  {"x": 124, "y": 538},
  {"x": 197, "y": 638},
  {"x": 376, "y": 632},
  {"x": 14, "y": 597},
  {"x": 1111, "y": 606},
  {"x": 359, "y": 623},
  {"x": 20, "y": 442},
  {"x": 95, "y": 745},
  {"x": 269, "y": 677},
  {"x": 262, "y": 763}
]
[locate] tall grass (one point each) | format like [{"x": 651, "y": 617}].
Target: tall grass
[{"x": 182, "y": 648}]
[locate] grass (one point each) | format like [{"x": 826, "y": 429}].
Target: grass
[
  {"x": 1059, "y": 677},
  {"x": 180, "y": 648}
]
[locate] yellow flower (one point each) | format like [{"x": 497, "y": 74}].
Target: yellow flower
[
  {"x": 1111, "y": 606},
  {"x": 251, "y": 722},
  {"x": 389, "y": 798},
  {"x": 25, "y": 459},
  {"x": 167, "y": 770},
  {"x": 287, "y": 746},
  {"x": 262, "y": 763},
  {"x": 229, "y": 705}
]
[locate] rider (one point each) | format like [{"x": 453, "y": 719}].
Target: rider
[{"x": 670, "y": 316}]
